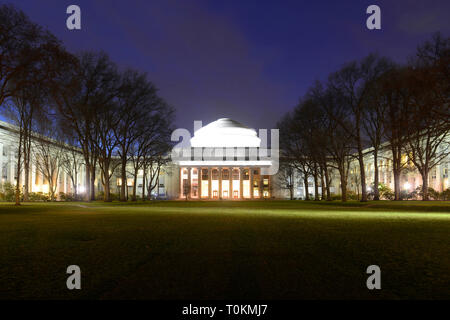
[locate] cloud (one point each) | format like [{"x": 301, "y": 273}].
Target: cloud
[
  {"x": 201, "y": 61},
  {"x": 424, "y": 18}
]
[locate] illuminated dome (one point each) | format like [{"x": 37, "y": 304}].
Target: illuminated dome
[{"x": 225, "y": 132}]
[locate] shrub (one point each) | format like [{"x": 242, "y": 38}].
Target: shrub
[
  {"x": 67, "y": 196},
  {"x": 114, "y": 196},
  {"x": 385, "y": 192},
  {"x": 38, "y": 196},
  {"x": 8, "y": 192},
  {"x": 101, "y": 194},
  {"x": 351, "y": 195},
  {"x": 405, "y": 195},
  {"x": 445, "y": 195},
  {"x": 432, "y": 194}
]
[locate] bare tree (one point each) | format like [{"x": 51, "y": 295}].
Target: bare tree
[
  {"x": 105, "y": 145},
  {"x": 293, "y": 146},
  {"x": 373, "y": 115},
  {"x": 81, "y": 94},
  {"x": 152, "y": 169},
  {"x": 339, "y": 143},
  {"x": 47, "y": 160},
  {"x": 71, "y": 163},
  {"x": 428, "y": 136},
  {"x": 353, "y": 83},
  {"x": 137, "y": 103},
  {"x": 23, "y": 45},
  {"x": 27, "y": 55},
  {"x": 286, "y": 176},
  {"x": 397, "y": 97}
]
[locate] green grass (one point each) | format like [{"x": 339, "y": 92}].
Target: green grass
[{"x": 225, "y": 250}]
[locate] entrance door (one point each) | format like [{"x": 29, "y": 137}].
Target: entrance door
[
  {"x": 235, "y": 194},
  {"x": 215, "y": 194},
  {"x": 225, "y": 194}
]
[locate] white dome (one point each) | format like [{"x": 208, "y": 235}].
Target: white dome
[{"x": 225, "y": 132}]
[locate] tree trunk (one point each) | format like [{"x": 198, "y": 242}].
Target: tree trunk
[
  {"x": 376, "y": 192},
  {"x": 322, "y": 184},
  {"x": 92, "y": 183},
  {"x": 87, "y": 195},
  {"x": 363, "y": 177},
  {"x": 343, "y": 187},
  {"x": 396, "y": 184},
  {"x": 107, "y": 195},
  {"x": 18, "y": 177},
  {"x": 123, "y": 187},
  {"x": 327, "y": 180},
  {"x": 316, "y": 186},
  {"x": 133, "y": 197},
  {"x": 144, "y": 173},
  {"x": 27, "y": 183},
  {"x": 75, "y": 192},
  {"x": 425, "y": 194},
  {"x": 305, "y": 181},
  {"x": 396, "y": 169},
  {"x": 291, "y": 191}
]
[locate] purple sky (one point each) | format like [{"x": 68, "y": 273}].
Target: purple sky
[{"x": 247, "y": 60}]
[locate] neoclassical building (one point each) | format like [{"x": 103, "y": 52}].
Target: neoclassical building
[{"x": 224, "y": 161}]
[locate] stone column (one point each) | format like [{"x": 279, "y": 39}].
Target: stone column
[
  {"x": 180, "y": 183},
  {"x": 199, "y": 182},
  {"x": 250, "y": 173},
  {"x": 241, "y": 183},
  {"x": 220, "y": 183},
  {"x": 189, "y": 183},
  {"x": 209, "y": 183},
  {"x": 230, "y": 181}
]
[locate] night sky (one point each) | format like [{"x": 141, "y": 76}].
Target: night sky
[{"x": 247, "y": 60}]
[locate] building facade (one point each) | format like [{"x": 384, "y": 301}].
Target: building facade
[{"x": 224, "y": 161}]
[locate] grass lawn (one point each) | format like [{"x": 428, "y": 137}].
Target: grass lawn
[{"x": 225, "y": 250}]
